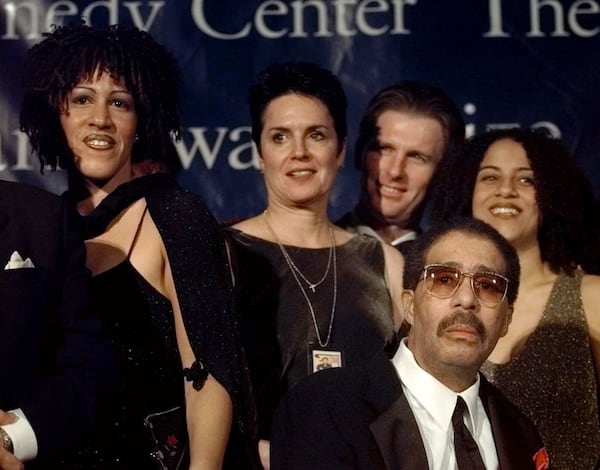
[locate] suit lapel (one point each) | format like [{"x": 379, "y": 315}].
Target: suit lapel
[
  {"x": 4, "y": 218},
  {"x": 398, "y": 438},
  {"x": 6, "y": 209},
  {"x": 510, "y": 449},
  {"x": 6, "y": 244},
  {"x": 394, "y": 429}
]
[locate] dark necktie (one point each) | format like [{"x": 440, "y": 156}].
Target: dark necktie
[{"x": 465, "y": 447}]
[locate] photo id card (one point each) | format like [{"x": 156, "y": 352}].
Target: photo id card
[{"x": 320, "y": 359}]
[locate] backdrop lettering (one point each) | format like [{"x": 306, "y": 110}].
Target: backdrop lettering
[{"x": 530, "y": 63}]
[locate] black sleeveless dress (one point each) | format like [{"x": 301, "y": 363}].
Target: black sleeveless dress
[
  {"x": 141, "y": 327},
  {"x": 277, "y": 329},
  {"x": 140, "y": 323}
]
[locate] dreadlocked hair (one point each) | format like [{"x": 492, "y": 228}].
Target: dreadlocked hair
[{"x": 71, "y": 54}]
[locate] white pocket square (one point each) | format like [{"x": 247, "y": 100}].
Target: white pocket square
[{"x": 16, "y": 262}]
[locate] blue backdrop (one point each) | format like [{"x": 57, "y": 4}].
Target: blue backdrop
[{"x": 504, "y": 62}]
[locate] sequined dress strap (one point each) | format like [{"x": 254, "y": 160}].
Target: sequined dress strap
[{"x": 552, "y": 379}]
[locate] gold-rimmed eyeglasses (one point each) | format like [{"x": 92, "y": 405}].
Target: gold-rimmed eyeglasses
[{"x": 442, "y": 281}]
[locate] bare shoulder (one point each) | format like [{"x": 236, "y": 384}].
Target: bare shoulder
[
  {"x": 118, "y": 241},
  {"x": 590, "y": 296},
  {"x": 148, "y": 254},
  {"x": 590, "y": 288},
  {"x": 394, "y": 268},
  {"x": 393, "y": 258},
  {"x": 590, "y": 280},
  {"x": 126, "y": 223},
  {"x": 341, "y": 235},
  {"x": 252, "y": 226}
]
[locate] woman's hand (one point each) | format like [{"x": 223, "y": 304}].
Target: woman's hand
[{"x": 9, "y": 462}]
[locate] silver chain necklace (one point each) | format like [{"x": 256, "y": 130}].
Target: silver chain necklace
[
  {"x": 311, "y": 285},
  {"x": 294, "y": 269}
]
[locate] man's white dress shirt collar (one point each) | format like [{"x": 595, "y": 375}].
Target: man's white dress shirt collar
[
  {"x": 432, "y": 404},
  {"x": 366, "y": 230}
]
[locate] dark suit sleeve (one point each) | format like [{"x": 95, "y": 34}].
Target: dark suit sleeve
[
  {"x": 80, "y": 361},
  {"x": 307, "y": 432},
  {"x": 518, "y": 443}
]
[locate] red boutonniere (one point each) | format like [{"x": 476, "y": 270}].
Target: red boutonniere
[
  {"x": 172, "y": 440},
  {"x": 541, "y": 459}
]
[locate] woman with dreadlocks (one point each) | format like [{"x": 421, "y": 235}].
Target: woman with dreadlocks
[{"x": 104, "y": 105}]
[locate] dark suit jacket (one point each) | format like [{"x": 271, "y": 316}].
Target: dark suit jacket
[
  {"x": 53, "y": 354},
  {"x": 359, "y": 418}
]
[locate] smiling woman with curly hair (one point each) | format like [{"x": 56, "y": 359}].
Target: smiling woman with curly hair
[{"x": 525, "y": 185}]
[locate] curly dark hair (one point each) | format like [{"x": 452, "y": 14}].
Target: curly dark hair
[
  {"x": 74, "y": 53},
  {"x": 415, "y": 257},
  {"x": 303, "y": 78},
  {"x": 565, "y": 199}
]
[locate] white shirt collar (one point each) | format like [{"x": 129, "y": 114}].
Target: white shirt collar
[
  {"x": 432, "y": 395},
  {"x": 366, "y": 230}
]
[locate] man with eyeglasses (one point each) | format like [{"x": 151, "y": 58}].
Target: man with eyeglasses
[{"x": 428, "y": 407}]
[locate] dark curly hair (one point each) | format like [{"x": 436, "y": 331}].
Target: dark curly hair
[
  {"x": 303, "y": 78},
  {"x": 565, "y": 199},
  {"x": 71, "y": 54}
]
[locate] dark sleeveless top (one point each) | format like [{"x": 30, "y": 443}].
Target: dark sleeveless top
[
  {"x": 552, "y": 380},
  {"x": 141, "y": 325},
  {"x": 275, "y": 320}
]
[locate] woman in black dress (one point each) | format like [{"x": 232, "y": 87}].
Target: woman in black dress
[
  {"x": 104, "y": 105},
  {"x": 308, "y": 292}
]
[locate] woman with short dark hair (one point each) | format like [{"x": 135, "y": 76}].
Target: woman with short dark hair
[{"x": 306, "y": 289}]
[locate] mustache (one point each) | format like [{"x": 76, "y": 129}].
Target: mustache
[{"x": 461, "y": 317}]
